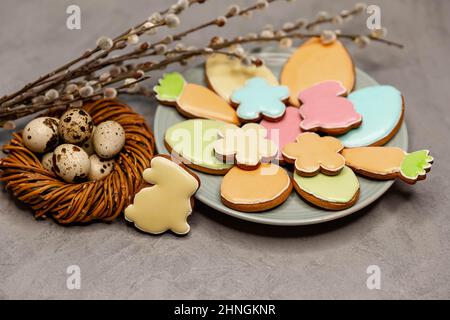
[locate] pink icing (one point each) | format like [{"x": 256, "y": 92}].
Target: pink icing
[
  {"x": 324, "y": 108},
  {"x": 284, "y": 131}
]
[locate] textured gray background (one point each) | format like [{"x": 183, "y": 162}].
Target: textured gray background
[{"x": 406, "y": 232}]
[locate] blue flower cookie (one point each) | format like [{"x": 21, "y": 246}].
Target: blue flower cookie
[{"x": 258, "y": 99}]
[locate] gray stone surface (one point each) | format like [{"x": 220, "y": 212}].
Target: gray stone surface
[{"x": 406, "y": 233}]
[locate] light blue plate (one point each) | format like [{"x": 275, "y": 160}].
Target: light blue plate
[{"x": 294, "y": 211}]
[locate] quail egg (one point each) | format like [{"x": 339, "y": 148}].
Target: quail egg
[
  {"x": 75, "y": 126},
  {"x": 47, "y": 161},
  {"x": 109, "y": 139},
  {"x": 88, "y": 146},
  {"x": 41, "y": 134},
  {"x": 100, "y": 168},
  {"x": 71, "y": 163}
]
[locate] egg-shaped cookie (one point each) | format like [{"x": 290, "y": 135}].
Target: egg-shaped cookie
[
  {"x": 329, "y": 192},
  {"x": 226, "y": 74},
  {"x": 314, "y": 62},
  {"x": 193, "y": 141},
  {"x": 257, "y": 190},
  {"x": 382, "y": 109}
]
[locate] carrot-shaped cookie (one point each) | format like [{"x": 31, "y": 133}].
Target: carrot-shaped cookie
[
  {"x": 386, "y": 163},
  {"x": 192, "y": 100}
]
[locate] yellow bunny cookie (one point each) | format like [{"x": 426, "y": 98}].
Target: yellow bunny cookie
[{"x": 167, "y": 204}]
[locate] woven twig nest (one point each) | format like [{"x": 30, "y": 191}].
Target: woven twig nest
[{"x": 27, "y": 180}]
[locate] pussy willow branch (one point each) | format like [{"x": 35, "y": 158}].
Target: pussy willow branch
[
  {"x": 86, "y": 55},
  {"x": 22, "y": 112},
  {"x": 91, "y": 66},
  {"x": 22, "y": 103}
]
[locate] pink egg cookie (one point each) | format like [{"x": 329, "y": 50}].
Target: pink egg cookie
[
  {"x": 325, "y": 110},
  {"x": 284, "y": 131}
]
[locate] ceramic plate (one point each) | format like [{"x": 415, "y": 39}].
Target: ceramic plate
[{"x": 294, "y": 211}]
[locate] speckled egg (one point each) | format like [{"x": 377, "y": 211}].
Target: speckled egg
[
  {"x": 88, "y": 145},
  {"x": 47, "y": 161},
  {"x": 41, "y": 134},
  {"x": 109, "y": 139},
  {"x": 100, "y": 168},
  {"x": 75, "y": 126},
  {"x": 71, "y": 163}
]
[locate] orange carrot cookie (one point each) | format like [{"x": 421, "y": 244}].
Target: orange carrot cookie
[
  {"x": 192, "y": 100},
  {"x": 314, "y": 62},
  {"x": 312, "y": 154},
  {"x": 248, "y": 146},
  {"x": 167, "y": 204},
  {"x": 227, "y": 74},
  {"x": 258, "y": 190},
  {"x": 385, "y": 163}
]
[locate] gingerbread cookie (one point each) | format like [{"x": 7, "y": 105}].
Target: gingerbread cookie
[
  {"x": 381, "y": 108},
  {"x": 385, "y": 163},
  {"x": 248, "y": 146},
  {"x": 329, "y": 192},
  {"x": 324, "y": 109},
  {"x": 226, "y": 74},
  {"x": 193, "y": 140},
  {"x": 192, "y": 100},
  {"x": 312, "y": 154},
  {"x": 285, "y": 130},
  {"x": 258, "y": 99},
  {"x": 167, "y": 204},
  {"x": 314, "y": 62},
  {"x": 257, "y": 190}
]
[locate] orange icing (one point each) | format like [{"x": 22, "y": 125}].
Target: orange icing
[
  {"x": 378, "y": 160},
  {"x": 264, "y": 184},
  {"x": 314, "y": 62},
  {"x": 201, "y": 102},
  {"x": 312, "y": 152}
]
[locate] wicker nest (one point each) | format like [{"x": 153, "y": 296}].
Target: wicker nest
[{"x": 48, "y": 196}]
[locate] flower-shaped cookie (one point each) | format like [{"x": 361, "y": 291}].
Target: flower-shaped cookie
[
  {"x": 246, "y": 146},
  {"x": 258, "y": 99},
  {"x": 313, "y": 154}
]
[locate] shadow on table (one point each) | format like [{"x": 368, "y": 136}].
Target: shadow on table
[{"x": 395, "y": 196}]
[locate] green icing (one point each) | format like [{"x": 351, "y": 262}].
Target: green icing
[
  {"x": 194, "y": 141},
  {"x": 340, "y": 188},
  {"x": 170, "y": 87},
  {"x": 415, "y": 164}
]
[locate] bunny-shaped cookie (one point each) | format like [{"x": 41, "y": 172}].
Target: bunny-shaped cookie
[
  {"x": 324, "y": 109},
  {"x": 167, "y": 204}
]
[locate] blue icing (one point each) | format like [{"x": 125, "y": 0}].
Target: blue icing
[
  {"x": 259, "y": 97},
  {"x": 381, "y": 110}
]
